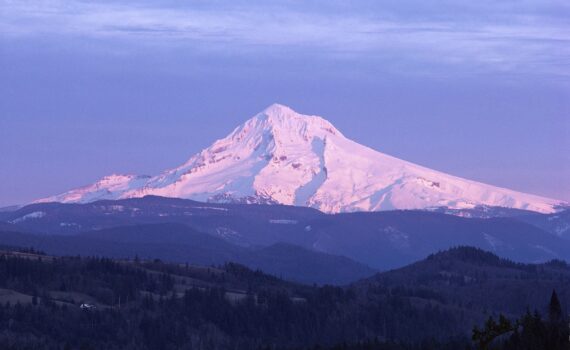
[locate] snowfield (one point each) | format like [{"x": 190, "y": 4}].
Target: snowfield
[{"x": 280, "y": 156}]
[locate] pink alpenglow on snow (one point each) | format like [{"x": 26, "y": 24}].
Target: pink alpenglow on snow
[{"x": 281, "y": 156}]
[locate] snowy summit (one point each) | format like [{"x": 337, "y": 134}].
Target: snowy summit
[{"x": 281, "y": 156}]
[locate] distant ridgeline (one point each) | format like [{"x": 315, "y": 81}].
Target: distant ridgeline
[
  {"x": 297, "y": 243},
  {"x": 51, "y": 302}
]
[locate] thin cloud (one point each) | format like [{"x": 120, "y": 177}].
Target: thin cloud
[{"x": 529, "y": 42}]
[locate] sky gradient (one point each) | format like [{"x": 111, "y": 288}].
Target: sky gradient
[{"x": 479, "y": 90}]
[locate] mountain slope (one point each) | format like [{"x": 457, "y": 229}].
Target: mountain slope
[
  {"x": 280, "y": 156},
  {"x": 557, "y": 223},
  {"x": 477, "y": 279},
  {"x": 299, "y": 264}
]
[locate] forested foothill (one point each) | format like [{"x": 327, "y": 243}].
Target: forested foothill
[{"x": 98, "y": 303}]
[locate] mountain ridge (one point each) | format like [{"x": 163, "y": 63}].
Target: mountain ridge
[{"x": 382, "y": 240}]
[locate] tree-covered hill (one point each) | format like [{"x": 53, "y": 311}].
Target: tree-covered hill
[{"x": 51, "y": 302}]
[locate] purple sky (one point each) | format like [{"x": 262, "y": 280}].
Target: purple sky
[{"x": 479, "y": 90}]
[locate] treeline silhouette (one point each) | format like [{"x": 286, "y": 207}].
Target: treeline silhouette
[{"x": 530, "y": 332}]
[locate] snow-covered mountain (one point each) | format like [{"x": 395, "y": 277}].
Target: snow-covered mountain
[{"x": 280, "y": 156}]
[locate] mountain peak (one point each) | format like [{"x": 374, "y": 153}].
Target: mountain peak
[
  {"x": 281, "y": 120},
  {"x": 277, "y": 109}
]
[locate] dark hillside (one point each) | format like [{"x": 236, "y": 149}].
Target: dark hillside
[
  {"x": 381, "y": 240},
  {"x": 146, "y": 304},
  {"x": 178, "y": 243},
  {"x": 474, "y": 279}
]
